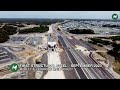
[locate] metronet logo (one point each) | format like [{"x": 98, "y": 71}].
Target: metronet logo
[
  {"x": 14, "y": 67},
  {"x": 115, "y": 16}
]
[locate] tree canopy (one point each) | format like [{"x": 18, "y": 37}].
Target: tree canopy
[
  {"x": 81, "y": 31},
  {"x": 116, "y": 51},
  {"x": 40, "y": 29},
  {"x": 5, "y": 31},
  {"x": 115, "y": 37},
  {"x": 10, "y": 30},
  {"x": 98, "y": 40}
]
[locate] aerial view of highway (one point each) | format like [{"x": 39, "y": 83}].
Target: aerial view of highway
[{"x": 74, "y": 48}]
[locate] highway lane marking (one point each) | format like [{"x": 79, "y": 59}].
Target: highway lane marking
[
  {"x": 78, "y": 59},
  {"x": 84, "y": 59},
  {"x": 84, "y": 69},
  {"x": 75, "y": 57},
  {"x": 91, "y": 68},
  {"x": 71, "y": 62},
  {"x": 74, "y": 68},
  {"x": 103, "y": 69},
  {"x": 106, "y": 73}
]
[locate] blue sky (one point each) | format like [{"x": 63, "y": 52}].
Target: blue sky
[{"x": 59, "y": 14}]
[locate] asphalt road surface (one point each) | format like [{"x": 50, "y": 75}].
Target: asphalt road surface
[
  {"x": 79, "y": 58},
  {"x": 71, "y": 57}
]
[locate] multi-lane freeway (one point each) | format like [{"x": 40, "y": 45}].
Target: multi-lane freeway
[{"x": 77, "y": 57}]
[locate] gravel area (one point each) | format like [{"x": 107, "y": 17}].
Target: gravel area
[{"x": 31, "y": 73}]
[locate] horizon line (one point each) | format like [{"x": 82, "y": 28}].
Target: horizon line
[{"x": 55, "y": 18}]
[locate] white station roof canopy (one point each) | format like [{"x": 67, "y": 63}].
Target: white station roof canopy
[{"x": 51, "y": 43}]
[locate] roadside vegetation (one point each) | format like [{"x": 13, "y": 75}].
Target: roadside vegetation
[
  {"x": 117, "y": 67},
  {"x": 115, "y": 38},
  {"x": 115, "y": 51},
  {"x": 99, "y": 41},
  {"x": 41, "y": 29},
  {"x": 5, "y": 31},
  {"x": 81, "y": 31},
  {"x": 112, "y": 38},
  {"x": 10, "y": 30},
  {"x": 3, "y": 36},
  {"x": 20, "y": 25},
  {"x": 112, "y": 26}
]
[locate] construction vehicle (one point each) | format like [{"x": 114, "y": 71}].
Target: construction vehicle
[{"x": 38, "y": 59}]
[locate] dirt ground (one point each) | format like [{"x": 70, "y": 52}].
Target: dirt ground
[{"x": 116, "y": 67}]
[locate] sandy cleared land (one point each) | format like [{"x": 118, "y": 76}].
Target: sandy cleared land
[
  {"x": 27, "y": 53},
  {"x": 53, "y": 58},
  {"x": 44, "y": 40},
  {"x": 82, "y": 49},
  {"x": 29, "y": 26},
  {"x": 50, "y": 29}
]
